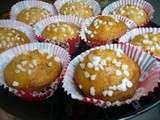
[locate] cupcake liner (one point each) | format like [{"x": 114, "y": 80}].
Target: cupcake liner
[
  {"x": 94, "y": 4},
  {"x": 140, "y": 3},
  {"x": 19, "y": 6},
  {"x": 139, "y": 31},
  {"x": 130, "y": 24},
  {"x": 7, "y": 56},
  {"x": 20, "y": 26},
  {"x": 71, "y": 43},
  {"x": 150, "y": 75}
]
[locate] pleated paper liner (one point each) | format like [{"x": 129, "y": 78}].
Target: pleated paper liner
[
  {"x": 51, "y": 49},
  {"x": 108, "y": 10},
  {"x": 22, "y": 5},
  {"x": 130, "y": 24},
  {"x": 92, "y": 3},
  {"x": 150, "y": 75},
  {"x": 71, "y": 44},
  {"x": 139, "y": 31}
]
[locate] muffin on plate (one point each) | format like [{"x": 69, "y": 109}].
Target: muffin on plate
[
  {"x": 32, "y": 15},
  {"x": 133, "y": 12},
  {"x": 32, "y": 71},
  {"x": 77, "y": 8},
  {"x": 105, "y": 29},
  {"x": 10, "y": 37},
  {"x": 148, "y": 41},
  {"x": 108, "y": 75},
  {"x": 61, "y": 31}
]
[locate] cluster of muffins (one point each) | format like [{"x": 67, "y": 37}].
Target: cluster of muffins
[{"x": 104, "y": 74}]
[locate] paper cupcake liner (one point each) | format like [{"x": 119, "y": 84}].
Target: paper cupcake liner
[
  {"x": 71, "y": 43},
  {"x": 130, "y": 24},
  {"x": 150, "y": 75},
  {"x": 20, "y": 26},
  {"x": 20, "y": 6},
  {"x": 94, "y": 4},
  {"x": 141, "y": 3},
  {"x": 139, "y": 31},
  {"x": 7, "y": 56}
]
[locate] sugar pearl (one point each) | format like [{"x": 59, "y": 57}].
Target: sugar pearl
[
  {"x": 93, "y": 77},
  {"x": 92, "y": 91}
]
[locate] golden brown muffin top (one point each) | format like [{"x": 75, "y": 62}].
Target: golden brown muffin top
[
  {"x": 32, "y": 70},
  {"x": 148, "y": 41},
  {"x": 105, "y": 72},
  {"x": 106, "y": 28},
  {"x": 32, "y": 15},
  {"x": 135, "y": 13},
  {"x": 61, "y": 31},
  {"x": 10, "y": 37},
  {"x": 77, "y": 8}
]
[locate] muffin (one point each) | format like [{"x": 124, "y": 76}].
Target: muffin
[
  {"x": 105, "y": 29},
  {"x": 61, "y": 31},
  {"x": 10, "y": 37},
  {"x": 32, "y": 15},
  {"x": 148, "y": 41},
  {"x": 108, "y": 75},
  {"x": 77, "y": 8},
  {"x": 32, "y": 71},
  {"x": 133, "y": 12}
]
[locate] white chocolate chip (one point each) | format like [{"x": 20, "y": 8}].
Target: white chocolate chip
[
  {"x": 80, "y": 86},
  {"x": 82, "y": 65},
  {"x": 15, "y": 84},
  {"x": 92, "y": 91},
  {"x": 93, "y": 77},
  {"x": 86, "y": 74},
  {"x": 108, "y": 58},
  {"x": 110, "y": 93},
  {"x": 50, "y": 64},
  {"x": 31, "y": 66},
  {"x": 118, "y": 73},
  {"x": 29, "y": 72},
  {"x": 17, "y": 71},
  {"x": 57, "y": 59},
  {"x": 124, "y": 67},
  {"x": 24, "y": 62},
  {"x": 90, "y": 65},
  {"x": 34, "y": 62},
  {"x": 110, "y": 23},
  {"x": 49, "y": 56},
  {"x": 126, "y": 73}
]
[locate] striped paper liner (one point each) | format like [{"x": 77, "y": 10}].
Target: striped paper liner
[
  {"x": 20, "y": 26},
  {"x": 130, "y": 24},
  {"x": 150, "y": 75},
  {"x": 70, "y": 44},
  {"x": 139, "y": 31},
  {"x": 20, "y": 6},
  {"x": 92, "y": 3},
  {"x": 108, "y": 10},
  {"x": 51, "y": 49}
]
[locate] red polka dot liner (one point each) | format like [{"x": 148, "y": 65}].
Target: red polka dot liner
[
  {"x": 51, "y": 49},
  {"x": 149, "y": 79}
]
